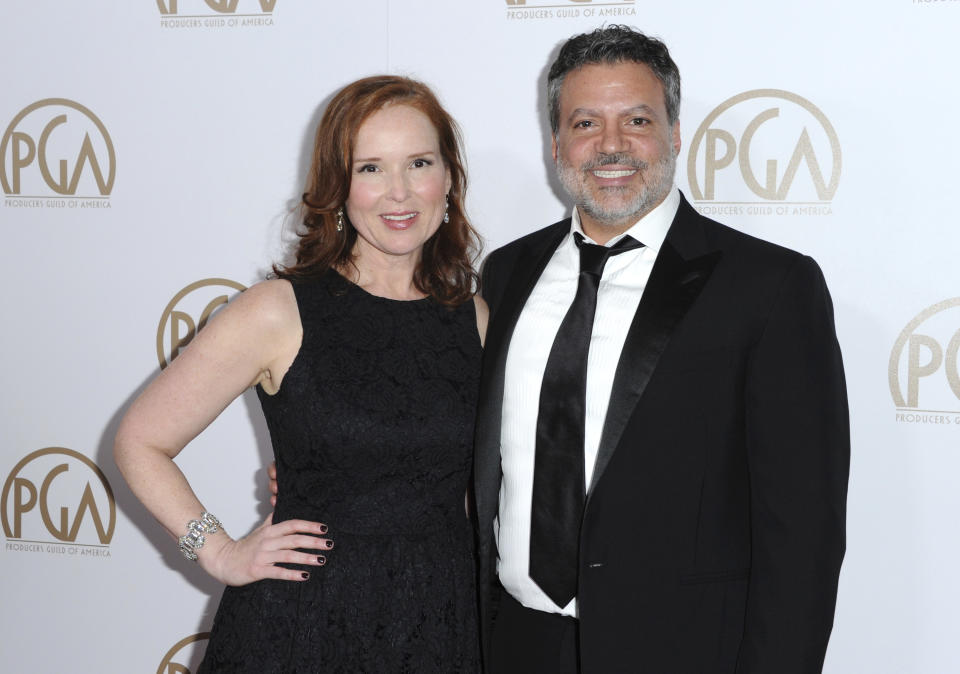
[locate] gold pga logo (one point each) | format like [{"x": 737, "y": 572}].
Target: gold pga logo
[
  {"x": 566, "y": 9},
  {"x": 180, "y": 651},
  {"x": 188, "y": 312},
  {"x": 168, "y": 7},
  {"x": 57, "y": 148},
  {"x": 924, "y": 375},
  {"x": 216, "y": 13},
  {"x": 777, "y": 145},
  {"x": 59, "y": 501}
]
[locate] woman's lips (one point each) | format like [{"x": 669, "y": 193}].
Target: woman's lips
[{"x": 399, "y": 220}]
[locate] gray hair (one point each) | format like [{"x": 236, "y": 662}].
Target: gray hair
[{"x": 610, "y": 45}]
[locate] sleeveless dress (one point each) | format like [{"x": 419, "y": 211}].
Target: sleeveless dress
[{"x": 372, "y": 431}]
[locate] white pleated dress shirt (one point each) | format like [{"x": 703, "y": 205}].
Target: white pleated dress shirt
[{"x": 621, "y": 286}]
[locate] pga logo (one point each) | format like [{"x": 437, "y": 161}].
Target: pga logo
[
  {"x": 924, "y": 372},
  {"x": 765, "y": 145}
]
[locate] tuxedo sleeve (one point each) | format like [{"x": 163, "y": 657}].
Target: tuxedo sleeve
[
  {"x": 798, "y": 448},
  {"x": 492, "y": 277}
]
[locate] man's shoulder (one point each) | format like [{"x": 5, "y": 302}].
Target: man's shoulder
[
  {"x": 755, "y": 264},
  {"x": 533, "y": 240},
  {"x": 744, "y": 247},
  {"x": 520, "y": 253}
]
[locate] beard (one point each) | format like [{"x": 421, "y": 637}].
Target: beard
[{"x": 616, "y": 205}]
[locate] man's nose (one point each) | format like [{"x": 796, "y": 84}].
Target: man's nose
[{"x": 613, "y": 140}]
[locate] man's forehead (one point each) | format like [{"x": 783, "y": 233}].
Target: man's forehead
[{"x": 595, "y": 81}]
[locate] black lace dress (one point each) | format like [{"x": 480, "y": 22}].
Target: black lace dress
[{"x": 372, "y": 431}]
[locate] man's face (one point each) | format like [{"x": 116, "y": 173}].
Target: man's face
[{"x": 614, "y": 148}]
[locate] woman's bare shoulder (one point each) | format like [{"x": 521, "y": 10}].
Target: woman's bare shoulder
[{"x": 269, "y": 305}]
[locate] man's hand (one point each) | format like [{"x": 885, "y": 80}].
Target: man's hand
[{"x": 272, "y": 482}]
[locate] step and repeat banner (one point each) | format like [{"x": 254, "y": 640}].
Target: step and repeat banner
[{"x": 152, "y": 152}]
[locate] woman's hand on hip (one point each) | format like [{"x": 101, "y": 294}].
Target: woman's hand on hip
[{"x": 255, "y": 556}]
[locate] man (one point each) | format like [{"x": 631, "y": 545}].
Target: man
[{"x": 661, "y": 491}]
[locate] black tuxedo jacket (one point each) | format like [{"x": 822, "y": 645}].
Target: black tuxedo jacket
[{"x": 714, "y": 526}]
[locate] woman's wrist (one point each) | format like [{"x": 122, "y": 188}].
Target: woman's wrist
[{"x": 197, "y": 533}]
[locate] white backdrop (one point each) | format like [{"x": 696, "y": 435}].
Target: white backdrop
[{"x": 155, "y": 146}]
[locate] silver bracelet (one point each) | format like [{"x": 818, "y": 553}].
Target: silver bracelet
[{"x": 197, "y": 530}]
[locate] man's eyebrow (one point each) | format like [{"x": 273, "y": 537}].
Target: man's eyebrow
[{"x": 643, "y": 108}]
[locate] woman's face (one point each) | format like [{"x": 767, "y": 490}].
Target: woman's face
[{"x": 398, "y": 185}]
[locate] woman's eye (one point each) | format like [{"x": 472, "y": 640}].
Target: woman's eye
[
  {"x": 367, "y": 168},
  {"x": 420, "y": 163}
]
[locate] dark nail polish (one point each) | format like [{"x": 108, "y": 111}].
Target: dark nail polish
[
  {"x": 323, "y": 528},
  {"x": 321, "y": 560},
  {"x": 305, "y": 575},
  {"x": 329, "y": 544}
]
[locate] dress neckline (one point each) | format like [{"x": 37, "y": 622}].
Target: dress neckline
[{"x": 350, "y": 284}]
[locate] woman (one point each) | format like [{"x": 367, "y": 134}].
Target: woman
[{"x": 365, "y": 354}]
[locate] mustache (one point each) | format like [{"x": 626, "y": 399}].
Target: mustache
[{"x": 617, "y": 158}]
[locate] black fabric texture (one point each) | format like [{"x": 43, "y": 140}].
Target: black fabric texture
[{"x": 372, "y": 432}]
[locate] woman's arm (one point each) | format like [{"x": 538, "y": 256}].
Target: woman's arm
[{"x": 252, "y": 340}]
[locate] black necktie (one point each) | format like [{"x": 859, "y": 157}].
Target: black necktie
[{"x": 558, "y": 474}]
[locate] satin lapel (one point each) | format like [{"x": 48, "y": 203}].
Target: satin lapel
[
  {"x": 527, "y": 267},
  {"x": 673, "y": 286}
]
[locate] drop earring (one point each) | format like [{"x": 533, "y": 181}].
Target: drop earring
[
  {"x": 446, "y": 210},
  {"x": 339, "y": 219}
]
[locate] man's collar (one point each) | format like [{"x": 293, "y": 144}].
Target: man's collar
[{"x": 650, "y": 230}]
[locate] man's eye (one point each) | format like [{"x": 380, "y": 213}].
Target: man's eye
[
  {"x": 583, "y": 124},
  {"x": 639, "y": 121}
]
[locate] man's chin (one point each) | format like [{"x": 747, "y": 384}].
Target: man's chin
[{"x": 614, "y": 215}]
